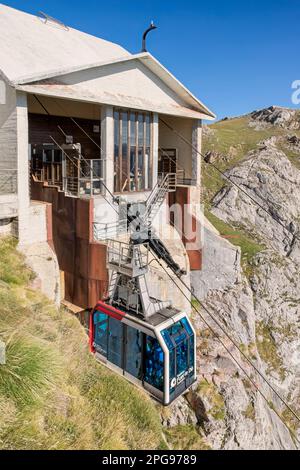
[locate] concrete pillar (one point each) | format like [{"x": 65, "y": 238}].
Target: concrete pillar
[
  {"x": 197, "y": 145},
  {"x": 23, "y": 169},
  {"x": 107, "y": 144},
  {"x": 155, "y": 143}
]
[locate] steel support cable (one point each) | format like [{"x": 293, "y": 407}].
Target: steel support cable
[
  {"x": 216, "y": 335},
  {"x": 230, "y": 180}
]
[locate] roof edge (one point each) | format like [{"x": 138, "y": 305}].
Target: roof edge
[
  {"x": 5, "y": 78},
  {"x": 143, "y": 57},
  {"x": 30, "y": 79},
  {"x": 204, "y": 108}
]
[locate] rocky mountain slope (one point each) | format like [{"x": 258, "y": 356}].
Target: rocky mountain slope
[
  {"x": 255, "y": 291},
  {"x": 53, "y": 394}
]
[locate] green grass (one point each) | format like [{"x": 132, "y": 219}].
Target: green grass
[
  {"x": 186, "y": 437},
  {"x": 250, "y": 412},
  {"x": 267, "y": 350},
  {"x": 53, "y": 394},
  {"x": 217, "y": 405}
]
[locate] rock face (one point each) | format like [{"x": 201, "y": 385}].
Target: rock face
[
  {"x": 260, "y": 312},
  {"x": 276, "y": 116},
  {"x": 273, "y": 182}
]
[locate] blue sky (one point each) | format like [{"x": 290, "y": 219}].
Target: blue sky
[{"x": 236, "y": 56}]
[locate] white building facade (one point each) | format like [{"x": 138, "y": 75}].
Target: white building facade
[{"x": 83, "y": 123}]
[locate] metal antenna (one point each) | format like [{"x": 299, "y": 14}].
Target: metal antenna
[
  {"x": 151, "y": 28},
  {"x": 49, "y": 19}
]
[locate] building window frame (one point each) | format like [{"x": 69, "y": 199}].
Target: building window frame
[{"x": 133, "y": 150}]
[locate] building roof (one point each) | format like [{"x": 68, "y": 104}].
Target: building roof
[
  {"x": 34, "y": 49},
  {"x": 31, "y": 45}
]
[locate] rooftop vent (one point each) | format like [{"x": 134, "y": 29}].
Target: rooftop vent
[{"x": 47, "y": 19}]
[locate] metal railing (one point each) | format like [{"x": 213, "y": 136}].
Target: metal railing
[
  {"x": 123, "y": 255},
  {"x": 105, "y": 231},
  {"x": 8, "y": 181},
  {"x": 87, "y": 181},
  {"x": 166, "y": 184},
  {"x": 181, "y": 178}
]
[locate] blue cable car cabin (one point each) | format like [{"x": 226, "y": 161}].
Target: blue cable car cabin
[{"x": 158, "y": 355}]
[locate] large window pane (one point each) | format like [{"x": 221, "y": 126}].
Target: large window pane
[
  {"x": 132, "y": 169},
  {"x": 140, "y": 168},
  {"x": 154, "y": 363},
  {"x": 134, "y": 352},
  {"x": 125, "y": 143},
  {"x": 132, "y": 129},
  {"x": 133, "y": 153},
  {"x": 133, "y": 148},
  {"x": 192, "y": 355},
  {"x": 101, "y": 333},
  {"x": 148, "y": 131},
  {"x": 179, "y": 339},
  {"x": 116, "y": 150},
  {"x": 182, "y": 358},
  {"x": 141, "y": 129},
  {"x": 147, "y": 168},
  {"x": 115, "y": 342}
]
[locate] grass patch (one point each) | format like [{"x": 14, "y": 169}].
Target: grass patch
[
  {"x": 291, "y": 420},
  {"x": 267, "y": 350},
  {"x": 186, "y": 437},
  {"x": 217, "y": 405},
  {"x": 53, "y": 394},
  {"x": 12, "y": 268},
  {"x": 250, "y": 412}
]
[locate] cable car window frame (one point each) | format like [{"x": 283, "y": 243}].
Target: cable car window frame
[{"x": 182, "y": 330}]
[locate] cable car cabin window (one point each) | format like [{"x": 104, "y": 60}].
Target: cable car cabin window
[
  {"x": 134, "y": 344},
  {"x": 115, "y": 342},
  {"x": 179, "y": 339},
  {"x": 133, "y": 151},
  {"x": 101, "y": 333},
  {"x": 154, "y": 363}
]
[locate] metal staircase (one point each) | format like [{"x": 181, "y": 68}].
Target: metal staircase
[
  {"x": 158, "y": 195},
  {"x": 105, "y": 231}
]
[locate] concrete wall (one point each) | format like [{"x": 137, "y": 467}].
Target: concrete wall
[
  {"x": 39, "y": 251},
  {"x": 61, "y": 107},
  {"x": 159, "y": 283},
  {"x": 8, "y": 151},
  {"x": 188, "y": 157},
  {"x": 129, "y": 79},
  {"x": 8, "y": 127},
  {"x": 221, "y": 264},
  {"x": 18, "y": 216},
  {"x": 168, "y": 139}
]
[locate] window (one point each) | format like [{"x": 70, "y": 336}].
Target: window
[
  {"x": 115, "y": 342},
  {"x": 134, "y": 340},
  {"x": 133, "y": 151},
  {"x": 179, "y": 339},
  {"x": 154, "y": 363},
  {"x": 101, "y": 332}
]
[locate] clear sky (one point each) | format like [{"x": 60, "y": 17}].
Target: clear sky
[{"x": 236, "y": 56}]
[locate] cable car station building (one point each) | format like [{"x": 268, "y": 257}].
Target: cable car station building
[{"x": 92, "y": 137}]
